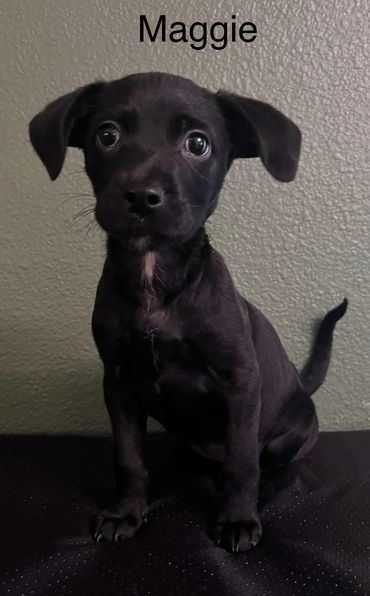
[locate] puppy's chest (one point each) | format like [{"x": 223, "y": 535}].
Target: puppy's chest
[
  {"x": 151, "y": 316},
  {"x": 155, "y": 335},
  {"x": 160, "y": 351},
  {"x": 152, "y": 319}
]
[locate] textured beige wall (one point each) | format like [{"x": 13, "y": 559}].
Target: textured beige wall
[{"x": 295, "y": 250}]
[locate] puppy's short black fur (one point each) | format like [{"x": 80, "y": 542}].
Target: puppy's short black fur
[{"x": 176, "y": 339}]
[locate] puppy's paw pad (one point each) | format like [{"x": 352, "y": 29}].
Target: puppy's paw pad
[{"x": 237, "y": 536}]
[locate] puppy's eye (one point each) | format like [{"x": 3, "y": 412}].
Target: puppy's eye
[
  {"x": 108, "y": 135},
  {"x": 197, "y": 144}
]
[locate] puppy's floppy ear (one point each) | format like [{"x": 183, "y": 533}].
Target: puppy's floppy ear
[
  {"x": 256, "y": 129},
  {"x": 59, "y": 125}
]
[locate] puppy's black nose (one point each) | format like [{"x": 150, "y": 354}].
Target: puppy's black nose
[{"x": 149, "y": 197}]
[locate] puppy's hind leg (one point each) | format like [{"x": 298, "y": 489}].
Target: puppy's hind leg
[{"x": 295, "y": 434}]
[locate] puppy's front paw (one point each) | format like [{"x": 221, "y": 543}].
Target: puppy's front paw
[
  {"x": 119, "y": 522},
  {"x": 237, "y": 536}
]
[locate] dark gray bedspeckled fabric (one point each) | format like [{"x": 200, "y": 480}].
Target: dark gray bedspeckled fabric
[{"x": 316, "y": 516}]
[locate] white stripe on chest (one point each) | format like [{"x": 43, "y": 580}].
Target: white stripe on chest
[{"x": 149, "y": 266}]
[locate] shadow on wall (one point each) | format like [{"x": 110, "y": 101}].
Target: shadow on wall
[
  {"x": 67, "y": 401},
  {"x": 70, "y": 402}
]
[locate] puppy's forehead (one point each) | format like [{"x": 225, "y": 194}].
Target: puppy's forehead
[{"x": 160, "y": 95}]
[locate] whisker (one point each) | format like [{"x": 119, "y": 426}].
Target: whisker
[
  {"x": 195, "y": 205},
  {"x": 78, "y": 217},
  {"x": 82, "y": 194},
  {"x": 85, "y": 210},
  {"x": 90, "y": 226},
  {"x": 81, "y": 171},
  {"x": 76, "y": 196},
  {"x": 87, "y": 227}
]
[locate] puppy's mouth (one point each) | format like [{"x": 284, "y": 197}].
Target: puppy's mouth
[{"x": 141, "y": 212}]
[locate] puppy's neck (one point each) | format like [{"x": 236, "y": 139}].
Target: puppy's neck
[{"x": 161, "y": 267}]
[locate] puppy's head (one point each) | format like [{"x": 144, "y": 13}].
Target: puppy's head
[{"x": 157, "y": 148}]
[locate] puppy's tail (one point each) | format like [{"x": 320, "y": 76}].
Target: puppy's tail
[{"x": 314, "y": 372}]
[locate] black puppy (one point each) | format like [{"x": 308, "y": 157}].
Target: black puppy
[{"x": 177, "y": 340}]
